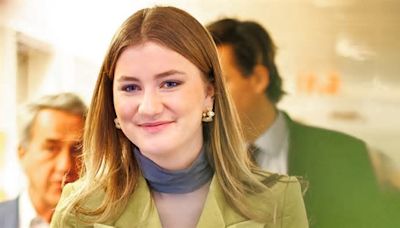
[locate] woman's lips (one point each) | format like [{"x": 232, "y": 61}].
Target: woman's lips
[{"x": 154, "y": 127}]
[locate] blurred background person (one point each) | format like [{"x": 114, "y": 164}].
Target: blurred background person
[
  {"x": 342, "y": 187},
  {"x": 50, "y": 132},
  {"x": 7, "y": 8}
]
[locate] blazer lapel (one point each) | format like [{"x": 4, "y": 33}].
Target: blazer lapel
[
  {"x": 218, "y": 213},
  {"x": 141, "y": 210},
  {"x": 295, "y": 158},
  {"x": 212, "y": 211}
]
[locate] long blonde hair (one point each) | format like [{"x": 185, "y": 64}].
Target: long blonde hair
[{"x": 109, "y": 165}]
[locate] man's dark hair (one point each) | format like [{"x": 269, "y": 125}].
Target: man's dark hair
[{"x": 251, "y": 45}]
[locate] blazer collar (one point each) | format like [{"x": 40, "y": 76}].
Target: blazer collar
[{"x": 141, "y": 210}]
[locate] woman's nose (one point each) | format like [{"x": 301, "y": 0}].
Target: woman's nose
[{"x": 150, "y": 104}]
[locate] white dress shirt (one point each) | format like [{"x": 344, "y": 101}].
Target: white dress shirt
[
  {"x": 274, "y": 146},
  {"x": 28, "y": 217}
]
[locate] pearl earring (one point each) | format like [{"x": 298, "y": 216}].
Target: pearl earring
[
  {"x": 208, "y": 115},
  {"x": 117, "y": 125}
]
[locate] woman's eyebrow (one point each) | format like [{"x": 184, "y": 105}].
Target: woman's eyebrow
[{"x": 124, "y": 78}]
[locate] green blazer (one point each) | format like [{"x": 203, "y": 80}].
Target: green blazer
[
  {"x": 343, "y": 190},
  {"x": 284, "y": 203}
]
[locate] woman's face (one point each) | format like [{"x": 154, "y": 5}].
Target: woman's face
[{"x": 159, "y": 98}]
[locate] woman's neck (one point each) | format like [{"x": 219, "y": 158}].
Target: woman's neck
[{"x": 176, "y": 181}]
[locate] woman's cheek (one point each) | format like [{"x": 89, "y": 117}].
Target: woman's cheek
[{"x": 126, "y": 108}]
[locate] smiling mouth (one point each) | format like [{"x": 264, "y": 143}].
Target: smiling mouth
[{"x": 155, "y": 126}]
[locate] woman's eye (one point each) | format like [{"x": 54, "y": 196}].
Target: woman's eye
[
  {"x": 170, "y": 84},
  {"x": 130, "y": 88}
]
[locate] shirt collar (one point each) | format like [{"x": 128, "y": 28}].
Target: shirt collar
[
  {"x": 27, "y": 212},
  {"x": 272, "y": 140}
]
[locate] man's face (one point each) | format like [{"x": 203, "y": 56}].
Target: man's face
[
  {"x": 50, "y": 158},
  {"x": 240, "y": 87}
]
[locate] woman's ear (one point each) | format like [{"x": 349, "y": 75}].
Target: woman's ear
[
  {"x": 210, "y": 92},
  {"x": 260, "y": 78}
]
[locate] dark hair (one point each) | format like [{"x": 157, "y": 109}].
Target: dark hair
[{"x": 252, "y": 45}]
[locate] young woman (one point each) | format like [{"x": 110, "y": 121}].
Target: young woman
[{"x": 162, "y": 143}]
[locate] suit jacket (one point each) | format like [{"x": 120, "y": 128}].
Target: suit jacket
[
  {"x": 9, "y": 214},
  {"x": 343, "y": 191},
  {"x": 284, "y": 201}
]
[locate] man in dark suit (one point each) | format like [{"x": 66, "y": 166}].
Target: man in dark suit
[
  {"x": 50, "y": 130},
  {"x": 342, "y": 187},
  {"x": 9, "y": 214}
]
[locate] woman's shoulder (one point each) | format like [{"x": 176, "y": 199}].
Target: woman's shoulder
[
  {"x": 92, "y": 199},
  {"x": 278, "y": 181},
  {"x": 282, "y": 187},
  {"x": 284, "y": 196},
  {"x": 70, "y": 192},
  {"x": 71, "y": 187}
]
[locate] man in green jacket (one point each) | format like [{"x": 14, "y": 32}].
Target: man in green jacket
[{"x": 342, "y": 189}]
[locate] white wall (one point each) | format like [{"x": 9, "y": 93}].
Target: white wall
[{"x": 8, "y": 98}]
